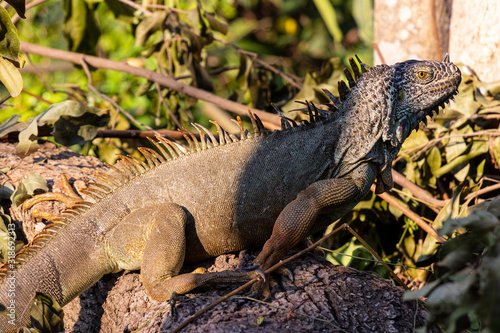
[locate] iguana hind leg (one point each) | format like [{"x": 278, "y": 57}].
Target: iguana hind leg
[{"x": 159, "y": 243}]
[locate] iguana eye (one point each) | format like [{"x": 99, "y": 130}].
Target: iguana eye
[{"x": 422, "y": 74}]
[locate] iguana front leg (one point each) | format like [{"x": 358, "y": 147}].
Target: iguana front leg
[{"x": 302, "y": 216}]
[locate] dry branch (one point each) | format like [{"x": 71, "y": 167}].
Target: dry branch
[{"x": 166, "y": 81}]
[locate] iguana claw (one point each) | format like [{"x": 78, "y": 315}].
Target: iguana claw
[{"x": 256, "y": 269}]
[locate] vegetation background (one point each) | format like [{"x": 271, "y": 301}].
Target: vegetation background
[{"x": 253, "y": 53}]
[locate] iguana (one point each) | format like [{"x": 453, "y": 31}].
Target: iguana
[{"x": 264, "y": 190}]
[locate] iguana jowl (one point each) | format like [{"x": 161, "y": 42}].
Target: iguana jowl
[{"x": 264, "y": 190}]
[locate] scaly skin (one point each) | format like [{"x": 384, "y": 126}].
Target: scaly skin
[{"x": 269, "y": 190}]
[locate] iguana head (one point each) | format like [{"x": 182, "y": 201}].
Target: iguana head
[
  {"x": 385, "y": 104},
  {"x": 419, "y": 88}
]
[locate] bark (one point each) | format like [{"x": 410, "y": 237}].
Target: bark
[
  {"x": 405, "y": 29},
  {"x": 474, "y": 39},
  {"x": 466, "y": 30}
]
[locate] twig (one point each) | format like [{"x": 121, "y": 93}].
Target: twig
[
  {"x": 41, "y": 99},
  {"x": 137, "y": 7},
  {"x": 377, "y": 50},
  {"x": 373, "y": 260},
  {"x": 5, "y": 99},
  {"x": 264, "y": 64},
  {"x": 413, "y": 216},
  {"x": 37, "y": 73},
  {"x": 426, "y": 146},
  {"x": 375, "y": 254},
  {"x": 418, "y": 192},
  {"x": 249, "y": 283},
  {"x": 123, "y": 134},
  {"x": 171, "y": 9},
  {"x": 167, "y": 107},
  {"x": 482, "y": 191},
  {"x": 117, "y": 107},
  {"x": 165, "y": 81}
]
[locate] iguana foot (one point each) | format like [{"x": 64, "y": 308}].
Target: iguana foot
[{"x": 69, "y": 198}]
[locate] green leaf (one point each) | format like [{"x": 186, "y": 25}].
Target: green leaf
[
  {"x": 462, "y": 173},
  {"x": 121, "y": 10},
  {"x": 449, "y": 293},
  {"x": 9, "y": 41},
  {"x": 433, "y": 159},
  {"x": 215, "y": 24},
  {"x": 19, "y": 196},
  {"x": 416, "y": 139},
  {"x": 74, "y": 122},
  {"x": 327, "y": 12},
  {"x": 7, "y": 237},
  {"x": 12, "y": 125},
  {"x": 455, "y": 147},
  {"x": 80, "y": 27},
  {"x": 19, "y": 6},
  {"x": 6, "y": 190},
  {"x": 28, "y": 140},
  {"x": 27, "y": 187},
  {"x": 477, "y": 148},
  {"x": 351, "y": 254},
  {"x": 148, "y": 26},
  {"x": 33, "y": 182},
  {"x": 46, "y": 314},
  {"x": 362, "y": 11},
  {"x": 466, "y": 104},
  {"x": 492, "y": 206},
  {"x": 10, "y": 77}
]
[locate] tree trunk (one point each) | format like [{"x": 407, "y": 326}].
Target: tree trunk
[{"x": 466, "y": 30}]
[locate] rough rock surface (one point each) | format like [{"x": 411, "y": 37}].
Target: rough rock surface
[{"x": 322, "y": 297}]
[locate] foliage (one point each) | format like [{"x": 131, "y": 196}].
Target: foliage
[
  {"x": 27, "y": 188},
  {"x": 72, "y": 123},
  {"x": 467, "y": 275},
  {"x": 46, "y": 315},
  {"x": 9, "y": 50}
]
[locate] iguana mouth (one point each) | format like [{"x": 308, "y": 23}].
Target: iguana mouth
[{"x": 407, "y": 123}]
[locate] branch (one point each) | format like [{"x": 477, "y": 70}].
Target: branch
[
  {"x": 137, "y": 7},
  {"x": 132, "y": 134},
  {"x": 419, "y": 150},
  {"x": 418, "y": 192},
  {"x": 269, "y": 119},
  {"x": 413, "y": 216},
  {"x": 46, "y": 130},
  {"x": 167, "y": 107}
]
